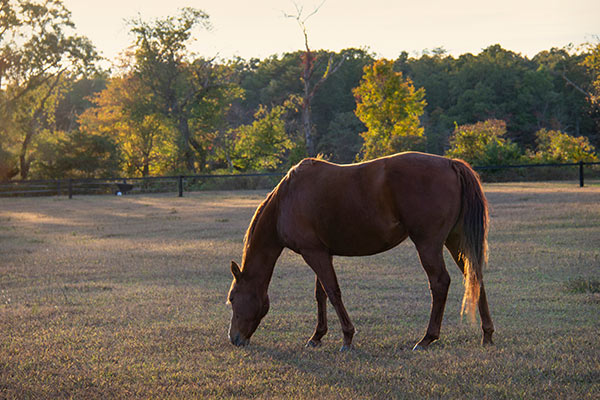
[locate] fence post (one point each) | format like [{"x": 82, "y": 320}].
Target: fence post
[
  {"x": 580, "y": 173},
  {"x": 180, "y": 184},
  {"x": 70, "y": 188}
]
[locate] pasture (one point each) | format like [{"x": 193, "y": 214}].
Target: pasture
[{"x": 124, "y": 297}]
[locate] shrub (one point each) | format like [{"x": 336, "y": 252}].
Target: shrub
[
  {"x": 484, "y": 143},
  {"x": 560, "y": 147}
]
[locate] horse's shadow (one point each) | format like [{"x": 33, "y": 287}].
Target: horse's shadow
[{"x": 317, "y": 362}]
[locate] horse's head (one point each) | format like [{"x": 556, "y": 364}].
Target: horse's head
[{"x": 249, "y": 306}]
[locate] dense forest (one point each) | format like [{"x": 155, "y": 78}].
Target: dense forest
[{"x": 164, "y": 110}]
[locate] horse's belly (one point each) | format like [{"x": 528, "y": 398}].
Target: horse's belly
[{"x": 363, "y": 240}]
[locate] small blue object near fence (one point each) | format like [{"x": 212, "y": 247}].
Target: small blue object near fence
[{"x": 123, "y": 186}]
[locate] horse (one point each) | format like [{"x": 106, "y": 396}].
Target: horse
[{"x": 320, "y": 209}]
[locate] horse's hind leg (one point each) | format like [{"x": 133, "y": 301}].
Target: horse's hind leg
[
  {"x": 321, "y": 329},
  {"x": 439, "y": 280},
  {"x": 484, "y": 311},
  {"x": 321, "y": 263}
]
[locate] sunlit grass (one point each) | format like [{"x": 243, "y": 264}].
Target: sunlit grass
[{"x": 124, "y": 297}]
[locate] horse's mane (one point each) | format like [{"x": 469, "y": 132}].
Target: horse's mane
[
  {"x": 270, "y": 200},
  {"x": 255, "y": 219}
]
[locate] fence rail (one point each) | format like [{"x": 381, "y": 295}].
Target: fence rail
[
  {"x": 124, "y": 186},
  {"x": 183, "y": 183}
]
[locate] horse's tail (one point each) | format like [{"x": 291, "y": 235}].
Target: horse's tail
[{"x": 473, "y": 240}]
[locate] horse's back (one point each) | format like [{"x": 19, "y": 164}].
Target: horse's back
[{"x": 366, "y": 208}]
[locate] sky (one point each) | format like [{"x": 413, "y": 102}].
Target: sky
[{"x": 259, "y": 28}]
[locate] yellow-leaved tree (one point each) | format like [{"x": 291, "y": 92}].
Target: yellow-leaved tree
[
  {"x": 390, "y": 107},
  {"x": 124, "y": 112}
]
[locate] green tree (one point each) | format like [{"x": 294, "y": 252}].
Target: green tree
[
  {"x": 433, "y": 71},
  {"x": 389, "y": 106},
  {"x": 40, "y": 55},
  {"x": 570, "y": 110},
  {"x": 263, "y": 144},
  {"x": 341, "y": 142},
  {"x": 76, "y": 154},
  {"x": 484, "y": 143},
  {"x": 529, "y": 94},
  {"x": 193, "y": 95},
  {"x": 557, "y": 146},
  {"x": 488, "y": 86},
  {"x": 592, "y": 63},
  {"x": 270, "y": 81}
]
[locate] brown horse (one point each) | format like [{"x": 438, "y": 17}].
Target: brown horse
[{"x": 320, "y": 209}]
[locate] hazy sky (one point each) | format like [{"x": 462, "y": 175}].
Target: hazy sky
[{"x": 258, "y": 28}]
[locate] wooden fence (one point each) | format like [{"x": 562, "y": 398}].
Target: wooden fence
[{"x": 182, "y": 183}]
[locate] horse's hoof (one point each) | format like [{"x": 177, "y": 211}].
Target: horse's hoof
[
  {"x": 313, "y": 343},
  {"x": 486, "y": 340},
  {"x": 418, "y": 347},
  {"x": 346, "y": 347}
]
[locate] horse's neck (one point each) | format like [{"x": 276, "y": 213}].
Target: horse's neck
[
  {"x": 259, "y": 265},
  {"x": 263, "y": 250}
]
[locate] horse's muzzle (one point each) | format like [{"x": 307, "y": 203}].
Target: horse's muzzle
[{"x": 238, "y": 340}]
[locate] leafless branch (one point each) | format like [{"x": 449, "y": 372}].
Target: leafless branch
[
  {"x": 331, "y": 69},
  {"x": 302, "y": 21},
  {"x": 593, "y": 99},
  {"x": 316, "y": 10}
]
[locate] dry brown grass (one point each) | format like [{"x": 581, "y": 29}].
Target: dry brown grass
[{"x": 123, "y": 297}]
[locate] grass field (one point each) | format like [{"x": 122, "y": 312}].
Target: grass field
[{"x": 124, "y": 297}]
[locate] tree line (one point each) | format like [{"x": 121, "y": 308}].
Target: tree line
[{"x": 164, "y": 110}]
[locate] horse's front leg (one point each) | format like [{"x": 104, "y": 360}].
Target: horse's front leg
[
  {"x": 321, "y": 263},
  {"x": 321, "y": 329}
]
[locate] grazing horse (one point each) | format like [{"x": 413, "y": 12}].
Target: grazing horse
[{"x": 320, "y": 209}]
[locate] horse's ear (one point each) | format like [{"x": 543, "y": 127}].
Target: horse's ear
[{"x": 235, "y": 270}]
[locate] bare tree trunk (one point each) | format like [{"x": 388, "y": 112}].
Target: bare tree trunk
[
  {"x": 199, "y": 151},
  {"x": 184, "y": 131},
  {"x": 307, "y": 127},
  {"x": 308, "y": 64},
  {"x": 146, "y": 165}
]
